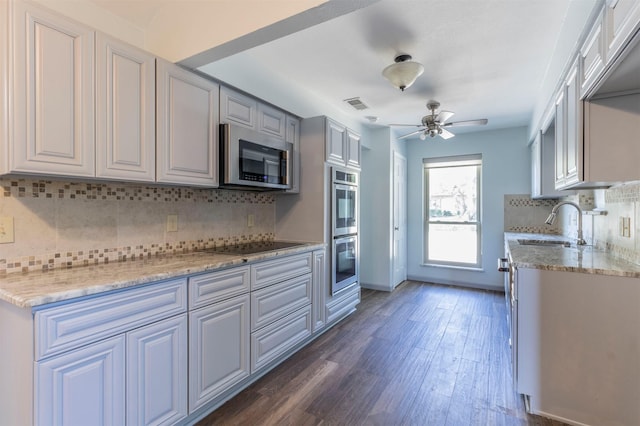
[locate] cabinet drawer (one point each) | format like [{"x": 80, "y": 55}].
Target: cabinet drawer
[
  {"x": 280, "y": 269},
  {"x": 343, "y": 305},
  {"x": 277, "y": 338},
  {"x": 271, "y": 303},
  {"x": 67, "y": 326},
  {"x": 217, "y": 286}
]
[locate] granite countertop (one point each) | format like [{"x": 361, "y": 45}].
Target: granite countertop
[
  {"x": 31, "y": 289},
  {"x": 583, "y": 259}
]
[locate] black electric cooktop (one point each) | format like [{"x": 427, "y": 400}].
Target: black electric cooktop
[{"x": 253, "y": 247}]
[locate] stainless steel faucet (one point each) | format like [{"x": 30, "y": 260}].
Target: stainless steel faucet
[{"x": 554, "y": 213}]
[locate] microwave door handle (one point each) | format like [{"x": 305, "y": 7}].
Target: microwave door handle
[{"x": 284, "y": 155}]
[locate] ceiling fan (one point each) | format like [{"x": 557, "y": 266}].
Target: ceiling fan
[{"x": 435, "y": 124}]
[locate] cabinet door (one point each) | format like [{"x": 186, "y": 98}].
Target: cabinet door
[
  {"x": 292, "y": 135},
  {"x": 271, "y": 121},
  {"x": 592, "y": 57},
  {"x": 125, "y": 111},
  {"x": 353, "y": 149},
  {"x": 218, "y": 349},
  {"x": 237, "y": 108},
  {"x": 157, "y": 373},
  {"x": 574, "y": 141},
  {"x": 536, "y": 167},
  {"x": 187, "y": 127},
  {"x": 53, "y": 94},
  {"x": 560, "y": 139},
  {"x": 335, "y": 143},
  {"x": 320, "y": 289},
  {"x": 622, "y": 20},
  {"x": 82, "y": 387}
]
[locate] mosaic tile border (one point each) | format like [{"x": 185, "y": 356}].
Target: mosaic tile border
[
  {"x": 526, "y": 201},
  {"x": 38, "y": 188},
  {"x": 73, "y": 259},
  {"x": 533, "y": 229}
]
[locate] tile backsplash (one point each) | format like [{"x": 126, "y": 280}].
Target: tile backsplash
[
  {"x": 522, "y": 214},
  {"x": 62, "y": 224}
]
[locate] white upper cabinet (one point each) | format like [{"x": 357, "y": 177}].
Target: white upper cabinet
[
  {"x": 543, "y": 161},
  {"x": 353, "y": 149},
  {"x": 238, "y": 108},
  {"x": 568, "y": 132},
  {"x": 243, "y": 110},
  {"x": 342, "y": 145},
  {"x": 622, "y": 20},
  {"x": 292, "y": 135},
  {"x": 271, "y": 121},
  {"x": 53, "y": 94},
  {"x": 187, "y": 124},
  {"x": 335, "y": 143},
  {"x": 125, "y": 111},
  {"x": 592, "y": 56}
]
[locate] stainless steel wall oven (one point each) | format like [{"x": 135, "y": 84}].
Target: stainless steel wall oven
[{"x": 344, "y": 221}]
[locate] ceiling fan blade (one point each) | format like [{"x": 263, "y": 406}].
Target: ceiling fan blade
[
  {"x": 406, "y": 125},
  {"x": 480, "y": 122},
  {"x": 444, "y": 116},
  {"x": 445, "y": 134},
  {"x": 411, "y": 134}
]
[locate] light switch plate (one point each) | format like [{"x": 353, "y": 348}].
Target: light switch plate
[
  {"x": 6, "y": 230},
  {"x": 172, "y": 223},
  {"x": 250, "y": 220}
]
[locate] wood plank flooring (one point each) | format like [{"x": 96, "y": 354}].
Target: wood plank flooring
[{"x": 424, "y": 354}]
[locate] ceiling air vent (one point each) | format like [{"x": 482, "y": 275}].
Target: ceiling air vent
[{"x": 356, "y": 103}]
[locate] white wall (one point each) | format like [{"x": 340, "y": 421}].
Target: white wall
[{"x": 505, "y": 170}]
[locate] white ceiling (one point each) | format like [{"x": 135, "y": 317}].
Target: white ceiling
[{"x": 482, "y": 58}]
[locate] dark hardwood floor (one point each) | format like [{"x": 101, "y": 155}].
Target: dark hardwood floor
[{"x": 423, "y": 355}]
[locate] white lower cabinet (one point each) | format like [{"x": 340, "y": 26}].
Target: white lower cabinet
[
  {"x": 343, "y": 304},
  {"x": 281, "y": 306},
  {"x": 82, "y": 387},
  {"x": 115, "y": 359},
  {"x": 219, "y": 349},
  {"x": 274, "y": 340},
  {"x": 578, "y": 345},
  {"x": 150, "y": 355},
  {"x": 320, "y": 289},
  {"x": 157, "y": 373}
]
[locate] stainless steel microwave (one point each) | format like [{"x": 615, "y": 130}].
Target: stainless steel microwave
[{"x": 253, "y": 160}]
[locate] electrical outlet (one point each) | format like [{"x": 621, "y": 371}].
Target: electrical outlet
[
  {"x": 250, "y": 220},
  {"x": 625, "y": 227},
  {"x": 172, "y": 223},
  {"x": 6, "y": 230}
]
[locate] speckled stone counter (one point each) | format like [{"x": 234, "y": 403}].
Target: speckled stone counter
[
  {"x": 583, "y": 259},
  {"x": 38, "y": 288}
]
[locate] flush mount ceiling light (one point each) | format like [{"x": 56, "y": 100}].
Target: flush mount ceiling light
[{"x": 404, "y": 72}]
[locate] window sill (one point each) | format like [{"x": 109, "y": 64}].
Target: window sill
[{"x": 463, "y": 268}]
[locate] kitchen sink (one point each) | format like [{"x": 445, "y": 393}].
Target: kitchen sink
[{"x": 548, "y": 243}]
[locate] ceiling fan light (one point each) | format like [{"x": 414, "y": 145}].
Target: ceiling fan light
[
  {"x": 403, "y": 73},
  {"x": 423, "y": 136}
]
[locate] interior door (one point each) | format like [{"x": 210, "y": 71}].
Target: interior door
[{"x": 399, "y": 219}]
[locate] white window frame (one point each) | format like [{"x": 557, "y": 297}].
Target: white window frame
[{"x": 449, "y": 162}]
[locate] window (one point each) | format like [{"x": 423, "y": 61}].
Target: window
[{"x": 452, "y": 211}]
